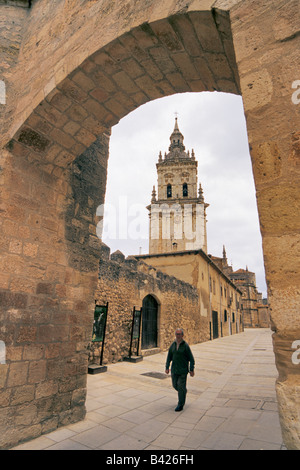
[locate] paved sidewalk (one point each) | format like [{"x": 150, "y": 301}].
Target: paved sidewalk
[{"x": 231, "y": 403}]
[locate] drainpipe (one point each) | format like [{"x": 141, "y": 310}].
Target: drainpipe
[
  {"x": 221, "y": 323},
  {"x": 210, "y": 313}
]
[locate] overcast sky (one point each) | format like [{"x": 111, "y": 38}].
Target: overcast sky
[{"x": 213, "y": 124}]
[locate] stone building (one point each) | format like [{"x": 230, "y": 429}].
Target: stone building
[
  {"x": 178, "y": 239},
  {"x": 255, "y": 309},
  {"x": 219, "y": 298},
  {"x": 177, "y": 284},
  {"x": 184, "y": 288},
  {"x": 166, "y": 302}
]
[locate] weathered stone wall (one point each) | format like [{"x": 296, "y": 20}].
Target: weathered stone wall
[
  {"x": 267, "y": 47},
  {"x": 147, "y": 63},
  {"x": 263, "y": 316},
  {"x": 48, "y": 276},
  {"x": 124, "y": 283},
  {"x": 74, "y": 69},
  {"x": 72, "y": 81}
]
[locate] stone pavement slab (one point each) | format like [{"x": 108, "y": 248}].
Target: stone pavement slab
[{"x": 231, "y": 403}]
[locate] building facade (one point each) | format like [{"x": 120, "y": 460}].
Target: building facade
[
  {"x": 177, "y": 284},
  {"x": 129, "y": 284},
  {"x": 219, "y": 298},
  {"x": 255, "y": 309}
]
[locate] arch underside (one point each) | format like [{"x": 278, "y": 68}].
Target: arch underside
[{"x": 183, "y": 53}]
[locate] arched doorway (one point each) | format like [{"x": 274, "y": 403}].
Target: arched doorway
[{"x": 149, "y": 322}]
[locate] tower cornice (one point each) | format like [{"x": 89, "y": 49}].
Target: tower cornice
[{"x": 176, "y": 162}]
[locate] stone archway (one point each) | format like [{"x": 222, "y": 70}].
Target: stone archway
[{"x": 55, "y": 140}]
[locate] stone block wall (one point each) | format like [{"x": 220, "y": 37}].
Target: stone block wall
[
  {"x": 49, "y": 267},
  {"x": 124, "y": 283},
  {"x": 71, "y": 71}
]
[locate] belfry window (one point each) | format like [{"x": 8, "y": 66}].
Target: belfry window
[
  {"x": 185, "y": 190},
  {"x": 169, "y": 190}
]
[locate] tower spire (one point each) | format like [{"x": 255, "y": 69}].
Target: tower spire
[
  {"x": 176, "y": 138},
  {"x": 176, "y": 128}
]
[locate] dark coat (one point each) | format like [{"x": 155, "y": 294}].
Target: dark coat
[{"x": 182, "y": 358}]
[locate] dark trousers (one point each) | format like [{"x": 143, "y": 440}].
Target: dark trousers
[{"x": 179, "y": 383}]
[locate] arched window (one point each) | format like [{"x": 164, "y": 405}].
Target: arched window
[
  {"x": 169, "y": 190},
  {"x": 185, "y": 190}
]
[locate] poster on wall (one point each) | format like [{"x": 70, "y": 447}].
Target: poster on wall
[
  {"x": 98, "y": 335},
  {"x": 136, "y": 324},
  {"x": 100, "y": 316},
  {"x": 135, "y": 337}
]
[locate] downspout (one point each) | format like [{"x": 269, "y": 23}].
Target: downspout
[
  {"x": 221, "y": 323},
  {"x": 210, "y": 313}
]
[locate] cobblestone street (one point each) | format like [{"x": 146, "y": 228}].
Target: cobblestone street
[{"x": 231, "y": 403}]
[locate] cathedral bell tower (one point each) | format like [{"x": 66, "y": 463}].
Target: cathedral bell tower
[{"x": 178, "y": 212}]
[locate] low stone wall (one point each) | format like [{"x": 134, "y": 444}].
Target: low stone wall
[{"x": 124, "y": 283}]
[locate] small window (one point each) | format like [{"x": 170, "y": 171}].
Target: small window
[
  {"x": 169, "y": 190},
  {"x": 185, "y": 190}
]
